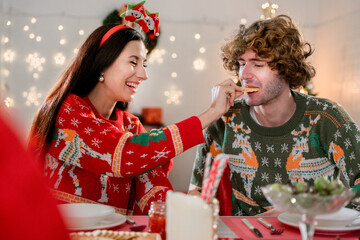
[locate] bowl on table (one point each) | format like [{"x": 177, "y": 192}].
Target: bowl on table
[
  {"x": 308, "y": 206},
  {"x": 307, "y": 203},
  {"x": 78, "y": 215}
]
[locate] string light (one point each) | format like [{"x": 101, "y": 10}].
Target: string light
[
  {"x": 32, "y": 96},
  {"x": 173, "y": 95},
  {"x": 4, "y": 39},
  {"x": 59, "y": 59},
  {"x": 36, "y": 75},
  {"x": 35, "y": 62},
  {"x": 157, "y": 55},
  {"x": 9, "y": 102},
  {"x": 243, "y": 21},
  {"x": 269, "y": 10},
  {"x": 199, "y": 64},
  {"x": 62, "y": 41},
  {"x": 8, "y": 23},
  {"x": 9, "y": 55}
]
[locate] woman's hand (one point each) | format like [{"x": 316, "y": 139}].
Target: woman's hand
[{"x": 223, "y": 96}]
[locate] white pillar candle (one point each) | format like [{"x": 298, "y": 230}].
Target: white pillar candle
[{"x": 189, "y": 217}]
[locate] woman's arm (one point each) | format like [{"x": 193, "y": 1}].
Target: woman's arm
[{"x": 223, "y": 96}]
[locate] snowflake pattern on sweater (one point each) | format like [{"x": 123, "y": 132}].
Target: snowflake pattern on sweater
[
  {"x": 95, "y": 160},
  {"x": 319, "y": 140}
]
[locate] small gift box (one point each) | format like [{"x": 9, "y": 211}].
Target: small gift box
[{"x": 152, "y": 115}]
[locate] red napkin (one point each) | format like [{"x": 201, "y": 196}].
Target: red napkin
[
  {"x": 224, "y": 193},
  {"x": 290, "y": 233}
]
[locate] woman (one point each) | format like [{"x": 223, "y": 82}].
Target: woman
[{"x": 97, "y": 152}]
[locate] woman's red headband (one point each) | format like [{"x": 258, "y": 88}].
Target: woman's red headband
[{"x": 110, "y": 32}]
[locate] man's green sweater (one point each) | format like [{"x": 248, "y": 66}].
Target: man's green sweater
[{"x": 320, "y": 139}]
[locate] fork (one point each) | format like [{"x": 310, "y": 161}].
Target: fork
[{"x": 268, "y": 225}]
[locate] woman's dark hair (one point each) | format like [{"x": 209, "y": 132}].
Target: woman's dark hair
[
  {"x": 79, "y": 78},
  {"x": 277, "y": 39}
]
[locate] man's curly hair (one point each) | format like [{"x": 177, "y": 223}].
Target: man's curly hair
[{"x": 276, "y": 39}]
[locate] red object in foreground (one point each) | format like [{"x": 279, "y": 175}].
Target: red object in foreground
[
  {"x": 27, "y": 209},
  {"x": 224, "y": 193}
]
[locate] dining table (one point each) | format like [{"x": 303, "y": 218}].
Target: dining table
[{"x": 232, "y": 228}]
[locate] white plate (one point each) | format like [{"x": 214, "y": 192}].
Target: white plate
[
  {"x": 293, "y": 220},
  {"x": 337, "y": 219},
  {"x": 78, "y": 215},
  {"x": 113, "y": 220}
]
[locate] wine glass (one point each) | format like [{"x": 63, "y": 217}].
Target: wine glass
[{"x": 308, "y": 205}]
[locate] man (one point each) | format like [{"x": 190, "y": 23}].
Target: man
[{"x": 276, "y": 134}]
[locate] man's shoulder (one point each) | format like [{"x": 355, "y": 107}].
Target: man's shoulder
[
  {"x": 314, "y": 102},
  {"x": 327, "y": 107},
  {"x": 322, "y": 103}
]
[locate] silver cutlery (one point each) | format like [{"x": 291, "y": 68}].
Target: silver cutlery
[
  {"x": 268, "y": 225},
  {"x": 252, "y": 228}
]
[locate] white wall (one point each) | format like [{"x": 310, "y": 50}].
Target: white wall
[
  {"x": 213, "y": 20},
  {"x": 338, "y": 54}
]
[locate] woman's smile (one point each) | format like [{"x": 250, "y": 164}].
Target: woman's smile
[{"x": 132, "y": 85}]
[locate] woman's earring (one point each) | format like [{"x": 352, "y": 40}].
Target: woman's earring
[{"x": 101, "y": 78}]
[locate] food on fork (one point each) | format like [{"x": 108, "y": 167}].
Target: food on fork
[{"x": 250, "y": 89}]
